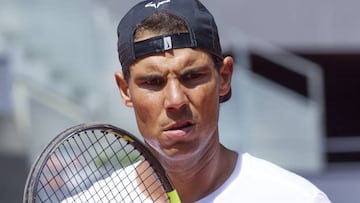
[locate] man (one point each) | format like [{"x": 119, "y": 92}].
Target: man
[{"x": 175, "y": 77}]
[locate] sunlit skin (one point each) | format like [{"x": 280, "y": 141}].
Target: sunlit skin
[{"x": 175, "y": 96}]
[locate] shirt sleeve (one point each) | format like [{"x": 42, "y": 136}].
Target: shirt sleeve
[{"x": 321, "y": 198}]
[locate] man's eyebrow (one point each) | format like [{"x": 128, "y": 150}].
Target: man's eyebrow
[
  {"x": 195, "y": 69},
  {"x": 147, "y": 76}
]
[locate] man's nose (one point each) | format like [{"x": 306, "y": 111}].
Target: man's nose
[{"x": 175, "y": 95}]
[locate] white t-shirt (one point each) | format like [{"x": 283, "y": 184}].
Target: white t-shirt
[
  {"x": 255, "y": 181},
  {"x": 111, "y": 189}
]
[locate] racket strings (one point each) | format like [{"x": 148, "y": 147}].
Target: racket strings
[
  {"x": 92, "y": 158},
  {"x": 59, "y": 170},
  {"x": 51, "y": 180},
  {"x": 147, "y": 183},
  {"x": 103, "y": 151},
  {"x": 152, "y": 184},
  {"x": 58, "y": 167},
  {"x": 129, "y": 156},
  {"x": 82, "y": 168},
  {"x": 87, "y": 153}
]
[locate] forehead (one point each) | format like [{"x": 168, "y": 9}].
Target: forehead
[{"x": 175, "y": 59}]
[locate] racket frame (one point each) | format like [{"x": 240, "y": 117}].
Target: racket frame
[{"x": 34, "y": 173}]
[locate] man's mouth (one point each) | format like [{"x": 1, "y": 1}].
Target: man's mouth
[
  {"x": 179, "y": 129},
  {"x": 180, "y": 125}
]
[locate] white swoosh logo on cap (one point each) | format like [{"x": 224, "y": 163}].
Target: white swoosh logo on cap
[{"x": 152, "y": 4}]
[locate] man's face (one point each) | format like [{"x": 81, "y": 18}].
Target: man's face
[{"x": 175, "y": 96}]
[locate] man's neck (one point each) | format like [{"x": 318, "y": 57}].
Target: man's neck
[{"x": 212, "y": 173}]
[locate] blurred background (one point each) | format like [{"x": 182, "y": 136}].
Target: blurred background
[{"x": 295, "y": 89}]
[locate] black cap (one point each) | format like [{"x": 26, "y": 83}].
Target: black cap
[{"x": 202, "y": 30}]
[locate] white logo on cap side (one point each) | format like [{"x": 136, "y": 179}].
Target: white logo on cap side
[
  {"x": 152, "y": 4},
  {"x": 167, "y": 43}
]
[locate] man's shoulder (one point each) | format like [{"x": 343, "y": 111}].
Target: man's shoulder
[
  {"x": 268, "y": 178},
  {"x": 269, "y": 172}
]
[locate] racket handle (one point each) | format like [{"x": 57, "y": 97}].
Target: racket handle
[{"x": 174, "y": 196}]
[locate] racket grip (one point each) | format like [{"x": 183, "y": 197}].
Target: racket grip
[{"x": 174, "y": 196}]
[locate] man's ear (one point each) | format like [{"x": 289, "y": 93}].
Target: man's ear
[
  {"x": 123, "y": 88},
  {"x": 226, "y": 72}
]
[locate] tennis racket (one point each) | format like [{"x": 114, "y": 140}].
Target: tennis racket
[{"x": 95, "y": 162}]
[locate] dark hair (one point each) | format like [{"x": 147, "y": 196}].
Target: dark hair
[
  {"x": 165, "y": 23},
  {"x": 161, "y": 23}
]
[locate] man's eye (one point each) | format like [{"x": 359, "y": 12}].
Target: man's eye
[
  {"x": 191, "y": 76},
  {"x": 154, "y": 81}
]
